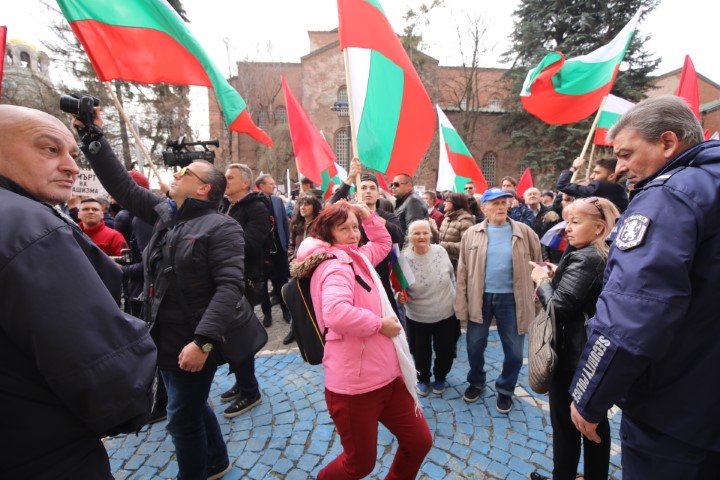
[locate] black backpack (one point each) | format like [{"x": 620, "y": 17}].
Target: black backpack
[{"x": 309, "y": 338}]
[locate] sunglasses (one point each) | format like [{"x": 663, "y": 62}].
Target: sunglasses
[
  {"x": 397, "y": 184},
  {"x": 469, "y": 188},
  {"x": 596, "y": 201},
  {"x": 186, "y": 171}
]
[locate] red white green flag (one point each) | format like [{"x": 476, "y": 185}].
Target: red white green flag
[
  {"x": 392, "y": 112},
  {"x": 457, "y": 166},
  {"x": 560, "y": 91},
  {"x": 612, "y": 110},
  {"x": 313, "y": 156},
  {"x": 146, "y": 41}
]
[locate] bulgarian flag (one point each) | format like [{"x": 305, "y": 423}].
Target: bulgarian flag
[
  {"x": 559, "y": 91},
  {"x": 611, "y": 112},
  {"x": 401, "y": 276},
  {"x": 146, "y": 41},
  {"x": 313, "y": 156},
  {"x": 328, "y": 181},
  {"x": 393, "y": 117},
  {"x": 457, "y": 166}
]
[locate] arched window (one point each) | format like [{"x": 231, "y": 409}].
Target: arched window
[
  {"x": 262, "y": 119},
  {"x": 280, "y": 115},
  {"x": 343, "y": 148},
  {"x": 495, "y": 103},
  {"x": 489, "y": 163},
  {"x": 24, "y": 60},
  {"x": 341, "y": 104},
  {"x": 9, "y": 58}
]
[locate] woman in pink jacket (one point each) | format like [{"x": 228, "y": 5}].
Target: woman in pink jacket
[{"x": 363, "y": 380}]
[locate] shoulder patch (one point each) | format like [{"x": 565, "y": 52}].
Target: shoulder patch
[{"x": 632, "y": 232}]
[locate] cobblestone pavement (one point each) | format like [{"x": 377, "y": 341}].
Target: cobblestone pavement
[{"x": 290, "y": 435}]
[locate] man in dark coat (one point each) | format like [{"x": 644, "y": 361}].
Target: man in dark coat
[
  {"x": 252, "y": 211},
  {"x": 653, "y": 346},
  {"x": 193, "y": 284},
  {"x": 408, "y": 204},
  {"x": 73, "y": 366},
  {"x": 603, "y": 182}
]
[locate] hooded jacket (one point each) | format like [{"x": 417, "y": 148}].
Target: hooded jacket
[{"x": 358, "y": 359}]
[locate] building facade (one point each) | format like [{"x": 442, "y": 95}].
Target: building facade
[{"x": 471, "y": 98}]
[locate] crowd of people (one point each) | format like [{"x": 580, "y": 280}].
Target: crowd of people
[{"x": 630, "y": 273}]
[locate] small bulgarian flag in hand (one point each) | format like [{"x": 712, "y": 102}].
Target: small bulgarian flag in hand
[{"x": 402, "y": 276}]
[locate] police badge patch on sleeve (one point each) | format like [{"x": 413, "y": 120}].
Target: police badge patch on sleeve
[{"x": 632, "y": 233}]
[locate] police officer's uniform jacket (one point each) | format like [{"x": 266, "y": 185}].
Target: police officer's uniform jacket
[{"x": 654, "y": 344}]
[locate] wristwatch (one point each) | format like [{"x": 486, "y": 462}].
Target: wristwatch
[{"x": 205, "y": 347}]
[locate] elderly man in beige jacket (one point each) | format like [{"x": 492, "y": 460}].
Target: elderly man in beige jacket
[{"x": 493, "y": 280}]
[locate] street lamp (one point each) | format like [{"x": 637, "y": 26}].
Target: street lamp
[{"x": 343, "y": 110}]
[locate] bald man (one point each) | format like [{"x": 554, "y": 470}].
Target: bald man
[{"x": 73, "y": 367}]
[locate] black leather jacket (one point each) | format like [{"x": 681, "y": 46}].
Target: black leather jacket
[{"x": 574, "y": 291}]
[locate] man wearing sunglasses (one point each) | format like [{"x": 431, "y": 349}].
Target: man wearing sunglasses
[
  {"x": 408, "y": 204},
  {"x": 654, "y": 344},
  {"x": 193, "y": 266}
]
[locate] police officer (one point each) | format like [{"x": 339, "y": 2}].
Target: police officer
[{"x": 654, "y": 344}]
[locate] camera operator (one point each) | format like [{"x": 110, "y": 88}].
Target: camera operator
[{"x": 193, "y": 270}]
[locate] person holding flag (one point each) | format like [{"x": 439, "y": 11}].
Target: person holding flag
[
  {"x": 369, "y": 194},
  {"x": 604, "y": 182}
]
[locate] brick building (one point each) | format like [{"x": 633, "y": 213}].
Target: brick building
[{"x": 471, "y": 99}]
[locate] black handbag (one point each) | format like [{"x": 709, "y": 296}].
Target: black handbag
[
  {"x": 255, "y": 290},
  {"x": 244, "y": 337}
]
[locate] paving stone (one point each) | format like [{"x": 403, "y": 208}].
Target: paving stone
[{"x": 290, "y": 435}]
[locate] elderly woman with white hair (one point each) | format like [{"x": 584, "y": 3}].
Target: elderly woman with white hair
[{"x": 431, "y": 321}]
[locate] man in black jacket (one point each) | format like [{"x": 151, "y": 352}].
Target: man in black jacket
[
  {"x": 73, "y": 366},
  {"x": 193, "y": 284},
  {"x": 252, "y": 212},
  {"x": 604, "y": 182},
  {"x": 408, "y": 205}
]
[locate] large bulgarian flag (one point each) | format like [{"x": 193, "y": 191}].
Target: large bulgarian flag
[
  {"x": 560, "y": 91},
  {"x": 146, "y": 41},
  {"x": 392, "y": 114},
  {"x": 457, "y": 166},
  {"x": 611, "y": 112}
]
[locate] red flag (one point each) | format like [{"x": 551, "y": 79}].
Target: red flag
[
  {"x": 688, "y": 87},
  {"x": 3, "y": 36},
  {"x": 313, "y": 155},
  {"x": 525, "y": 182},
  {"x": 146, "y": 41}
]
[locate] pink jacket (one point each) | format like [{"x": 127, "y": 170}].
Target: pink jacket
[{"x": 357, "y": 359}]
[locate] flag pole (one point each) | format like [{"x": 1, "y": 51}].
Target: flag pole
[
  {"x": 129, "y": 124},
  {"x": 589, "y": 137},
  {"x": 353, "y": 129},
  {"x": 590, "y": 162}
]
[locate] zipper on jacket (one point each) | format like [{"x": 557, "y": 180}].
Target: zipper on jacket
[{"x": 362, "y": 352}]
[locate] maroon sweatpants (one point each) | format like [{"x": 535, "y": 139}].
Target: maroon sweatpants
[{"x": 356, "y": 420}]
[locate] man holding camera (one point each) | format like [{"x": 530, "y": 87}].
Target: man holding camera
[
  {"x": 73, "y": 366},
  {"x": 193, "y": 284}
]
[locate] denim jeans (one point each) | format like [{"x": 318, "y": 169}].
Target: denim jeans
[
  {"x": 194, "y": 429},
  {"x": 502, "y": 307}
]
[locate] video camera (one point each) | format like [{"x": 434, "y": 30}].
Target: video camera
[
  {"x": 81, "y": 105},
  {"x": 179, "y": 155}
]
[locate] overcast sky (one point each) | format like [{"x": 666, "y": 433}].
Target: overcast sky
[{"x": 678, "y": 27}]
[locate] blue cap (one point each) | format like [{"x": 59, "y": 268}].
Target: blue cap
[{"x": 493, "y": 193}]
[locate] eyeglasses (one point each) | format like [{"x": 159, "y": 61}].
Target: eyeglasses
[
  {"x": 185, "y": 171},
  {"x": 596, "y": 201},
  {"x": 397, "y": 184}
]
